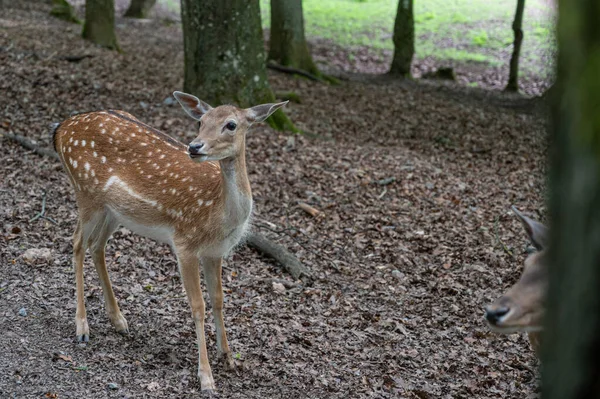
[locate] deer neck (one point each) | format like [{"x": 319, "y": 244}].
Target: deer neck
[{"x": 237, "y": 194}]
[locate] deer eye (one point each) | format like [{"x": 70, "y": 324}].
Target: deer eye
[{"x": 231, "y": 126}]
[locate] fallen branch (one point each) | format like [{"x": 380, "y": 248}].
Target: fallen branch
[
  {"x": 30, "y": 145},
  {"x": 293, "y": 71},
  {"x": 265, "y": 246},
  {"x": 289, "y": 262}
]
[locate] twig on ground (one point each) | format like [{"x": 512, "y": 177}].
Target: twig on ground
[
  {"x": 75, "y": 58},
  {"x": 499, "y": 240},
  {"x": 309, "y": 209},
  {"x": 42, "y": 213}
]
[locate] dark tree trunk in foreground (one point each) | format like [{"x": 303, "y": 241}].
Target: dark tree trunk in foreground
[
  {"x": 570, "y": 356},
  {"x": 224, "y": 55},
  {"x": 513, "y": 77},
  {"x": 139, "y": 8},
  {"x": 288, "y": 44},
  {"x": 99, "y": 26},
  {"x": 404, "y": 39}
]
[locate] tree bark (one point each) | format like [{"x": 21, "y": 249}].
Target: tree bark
[
  {"x": 513, "y": 77},
  {"x": 571, "y": 341},
  {"x": 63, "y": 10},
  {"x": 99, "y": 26},
  {"x": 139, "y": 8},
  {"x": 288, "y": 44},
  {"x": 404, "y": 39},
  {"x": 224, "y": 56}
]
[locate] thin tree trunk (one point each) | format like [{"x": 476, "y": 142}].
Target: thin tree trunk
[
  {"x": 571, "y": 344},
  {"x": 99, "y": 26},
  {"x": 404, "y": 39},
  {"x": 224, "y": 58},
  {"x": 139, "y": 8},
  {"x": 287, "y": 43},
  {"x": 513, "y": 77}
]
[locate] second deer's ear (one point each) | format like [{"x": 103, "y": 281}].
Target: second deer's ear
[
  {"x": 192, "y": 105},
  {"x": 261, "y": 112},
  {"x": 537, "y": 232}
]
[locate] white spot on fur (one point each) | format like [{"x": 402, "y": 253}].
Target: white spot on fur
[
  {"x": 76, "y": 143},
  {"x": 200, "y": 202},
  {"x": 209, "y": 203},
  {"x": 86, "y": 166},
  {"x": 92, "y": 144},
  {"x": 83, "y": 143},
  {"x": 103, "y": 159},
  {"x": 74, "y": 164}
]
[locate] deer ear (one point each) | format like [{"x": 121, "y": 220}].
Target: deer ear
[
  {"x": 537, "y": 232},
  {"x": 192, "y": 105},
  {"x": 261, "y": 112}
]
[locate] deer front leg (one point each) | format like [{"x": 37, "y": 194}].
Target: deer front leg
[
  {"x": 83, "y": 330},
  {"x": 212, "y": 273},
  {"x": 190, "y": 274}
]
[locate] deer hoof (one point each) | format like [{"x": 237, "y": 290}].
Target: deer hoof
[
  {"x": 120, "y": 324},
  {"x": 83, "y": 330}
]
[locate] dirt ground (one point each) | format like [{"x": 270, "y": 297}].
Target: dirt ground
[{"x": 415, "y": 181}]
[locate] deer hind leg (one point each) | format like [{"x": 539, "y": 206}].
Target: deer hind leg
[
  {"x": 190, "y": 275},
  {"x": 102, "y": 232},
  {"x": 212, "y": 274}
]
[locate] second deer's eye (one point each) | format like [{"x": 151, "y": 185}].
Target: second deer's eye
[{"x": 231, "y": 126}]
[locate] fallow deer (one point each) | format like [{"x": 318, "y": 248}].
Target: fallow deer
[
  {"x": 196, "y": 198},
  {"x": 521, "y": 308}
]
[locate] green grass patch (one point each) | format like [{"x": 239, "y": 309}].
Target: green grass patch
[
  {"x": 459, "y": 29},
  {"x": 480, "y": 38}
]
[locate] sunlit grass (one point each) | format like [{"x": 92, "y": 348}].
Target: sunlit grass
[{"x": 462, "y": 30}]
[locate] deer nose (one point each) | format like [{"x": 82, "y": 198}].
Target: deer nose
[
  {"x": 494, "y": 315},
  {"x": 196, "y": 148}
]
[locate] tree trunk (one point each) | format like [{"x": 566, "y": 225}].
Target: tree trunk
[
  {"x": 513, "y": 77},
  {"x": 63, "y": 10},
  {"x": 139, "y": 8},
  {"x": 404, "y": 39},
  {"x": 572, "y": 336},
  {"x": 99, "y": 26},
  {"x": 287, "y": 43},
  {"x": 224, "y": 55}
]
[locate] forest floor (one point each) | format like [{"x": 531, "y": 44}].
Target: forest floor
[{"x": 415, "y": 181}]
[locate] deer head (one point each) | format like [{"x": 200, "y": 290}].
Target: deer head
[
  {"x": 221, "y": 130},
  {"x": 521, "y": 308}
]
